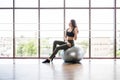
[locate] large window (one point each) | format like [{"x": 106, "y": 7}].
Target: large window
[{"x": 28, "y": 28}]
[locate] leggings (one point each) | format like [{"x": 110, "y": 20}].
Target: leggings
[{"x": 62, "y": 46}]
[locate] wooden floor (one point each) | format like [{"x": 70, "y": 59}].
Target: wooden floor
[{"x": 33, "y": 69}]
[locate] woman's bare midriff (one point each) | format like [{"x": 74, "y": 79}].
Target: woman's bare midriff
[{"x": 69, "y": 38}]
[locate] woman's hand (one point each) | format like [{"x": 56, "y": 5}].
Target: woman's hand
[{"x": 69, "y": 44}]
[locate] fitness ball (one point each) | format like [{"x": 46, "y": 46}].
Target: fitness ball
[{"x": 73, "y": 54}]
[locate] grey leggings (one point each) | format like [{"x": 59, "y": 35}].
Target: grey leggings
[{"x": 62, "y": 46}]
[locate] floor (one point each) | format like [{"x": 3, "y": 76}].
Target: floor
[{"x": 33, "y": 69}]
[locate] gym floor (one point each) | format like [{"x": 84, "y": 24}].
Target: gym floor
[{"x": 33, "y": 69}]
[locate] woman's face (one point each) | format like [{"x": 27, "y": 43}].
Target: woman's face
[{"x": 70, "y": 24}]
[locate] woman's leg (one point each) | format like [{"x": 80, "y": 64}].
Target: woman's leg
[
  {"x": 56, "y": 48},
  {"x": 61, "y": 47},
  {"x": 55, "y": 43},
  {"x": 64, "y": 47}
]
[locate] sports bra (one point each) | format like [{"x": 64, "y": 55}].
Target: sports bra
[{"x": 70, "y": 34}]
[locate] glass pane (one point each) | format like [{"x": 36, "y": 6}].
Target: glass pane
[
  {"x": 26, "y": 3},
  {"x": 51, "y": 3},
  {"x": 51, "y": 28},
  {"x": 77, "y": 3},
  {"x": 102, "y": 16},
  {"x": 26, "y": 33},
  {"x": 102, "y": 3},
  {"x": 26, "y": 47},
  {"x": 26, "y": 16},
  {"x": 118, "y": 33},
  {"x": 81, "y": 16},
  {"x": 6, "y": 3},
  {"x": 6, "y": 16},
  {"x": 51, "y": 16},
  {"x": 46, "y": 46},
  {"x": 118, "y": 3},
  {"x": 102, "y": 33}
]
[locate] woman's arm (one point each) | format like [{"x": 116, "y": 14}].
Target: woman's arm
[{"x": 75, "y": 33}]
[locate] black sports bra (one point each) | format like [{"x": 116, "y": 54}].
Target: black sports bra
[{"x": 70, "y": 34}]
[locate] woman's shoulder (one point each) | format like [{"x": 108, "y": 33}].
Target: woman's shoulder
[{"x": 76, "y": 28}]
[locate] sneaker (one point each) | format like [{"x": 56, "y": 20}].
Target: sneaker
[{"x": 46, "y": 61}]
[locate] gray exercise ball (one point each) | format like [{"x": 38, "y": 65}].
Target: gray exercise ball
[{"x": 73, "y": 54}]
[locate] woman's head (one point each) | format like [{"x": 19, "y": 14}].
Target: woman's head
[{"x": 72, "y": 23}]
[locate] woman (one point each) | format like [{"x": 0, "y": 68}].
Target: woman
[{"x": 70, "y": 36}]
